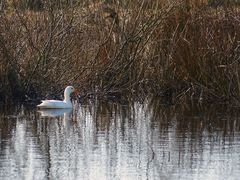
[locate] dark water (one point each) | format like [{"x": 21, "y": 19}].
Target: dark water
[{"x": 116, "y": 141}]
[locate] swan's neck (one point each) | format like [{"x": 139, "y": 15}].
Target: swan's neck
[{"x": 67, "y": 97}]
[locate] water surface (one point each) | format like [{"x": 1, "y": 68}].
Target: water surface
[{"x": 106, "y": 140}]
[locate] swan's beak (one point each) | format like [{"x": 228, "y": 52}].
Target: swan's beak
[{"x": 75, "y": 93}]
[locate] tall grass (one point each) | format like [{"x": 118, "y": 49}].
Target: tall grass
[{"x": 138, "y": 47}]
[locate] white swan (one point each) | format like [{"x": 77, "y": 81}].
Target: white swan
[{"x": 56, "y": 104}]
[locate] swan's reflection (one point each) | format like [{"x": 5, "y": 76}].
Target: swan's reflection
[
  {"x": 64, "y": 114},
  {"x": 55, "y": 112}
]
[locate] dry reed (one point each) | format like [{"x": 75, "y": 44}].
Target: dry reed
[{"x": 138, "y": 47}]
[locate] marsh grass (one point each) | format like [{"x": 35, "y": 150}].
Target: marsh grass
[{"x": 133, "y": 47}]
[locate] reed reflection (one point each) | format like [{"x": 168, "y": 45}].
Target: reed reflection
[
  {"x": 107, "y": 140},
  {"x": 201, "y": 136}
]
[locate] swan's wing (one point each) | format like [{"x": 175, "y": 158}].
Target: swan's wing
[{"x": 52, "y": 104}]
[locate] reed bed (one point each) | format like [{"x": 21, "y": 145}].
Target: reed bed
[{"x": 166, "y": 48}]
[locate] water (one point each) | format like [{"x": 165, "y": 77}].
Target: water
[{"x": 120, "y": 141}]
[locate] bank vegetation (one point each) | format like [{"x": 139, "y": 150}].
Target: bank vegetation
[{"x": 171, "y": 48}]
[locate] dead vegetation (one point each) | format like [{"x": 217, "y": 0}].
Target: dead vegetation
[{"x": 137, "y": 47}]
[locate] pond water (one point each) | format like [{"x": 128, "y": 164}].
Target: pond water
[{"x": 107, "y": 140}]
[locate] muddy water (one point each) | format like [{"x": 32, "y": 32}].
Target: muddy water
[{"x": 120, "y": 141}]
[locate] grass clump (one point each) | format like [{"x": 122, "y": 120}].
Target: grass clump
[{"x": 138, "y": 47}]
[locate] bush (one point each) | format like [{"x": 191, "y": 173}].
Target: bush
[{"x": 126, "y": 46}]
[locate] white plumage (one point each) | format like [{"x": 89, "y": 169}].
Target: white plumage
[{"x": 56, "y": 104}]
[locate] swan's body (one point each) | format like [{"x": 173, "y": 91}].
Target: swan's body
[{"x": 56, "y": 104}]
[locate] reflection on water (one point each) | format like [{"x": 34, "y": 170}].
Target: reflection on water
[
  {"x": 114, "y": 141},
  {"x": 55, "y": 112}
]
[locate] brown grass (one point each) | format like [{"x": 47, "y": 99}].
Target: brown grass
[{"x": 144, "y": 47}]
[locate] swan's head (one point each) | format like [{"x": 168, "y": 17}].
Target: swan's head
[{"x": 69, "y": 90}]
